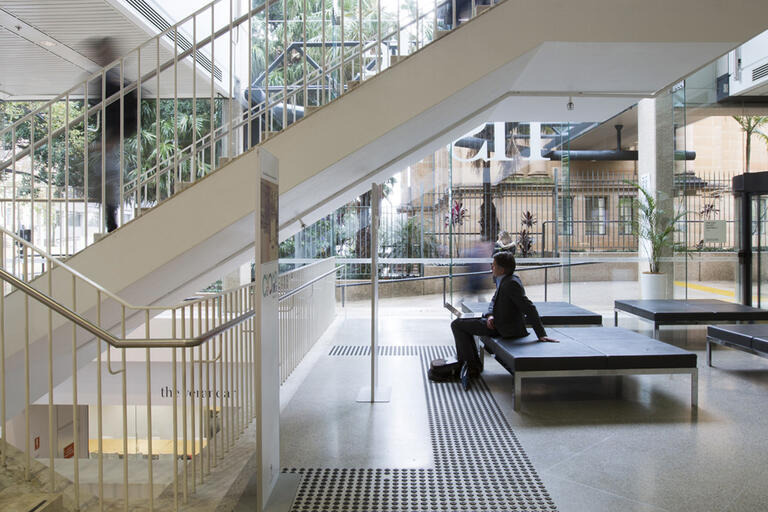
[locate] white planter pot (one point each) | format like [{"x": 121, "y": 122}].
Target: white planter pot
[{"x": 653, "y": 286}]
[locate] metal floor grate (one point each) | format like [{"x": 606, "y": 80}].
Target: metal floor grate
[
  {"x": 479, "y": 463},
  {"x": 365, "y": 350}
]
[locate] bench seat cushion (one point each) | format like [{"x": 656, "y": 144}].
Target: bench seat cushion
[
  {"x": 551, "y": 313},
  {"x": 690, "y": 310},
  {"x": 528, "y": 354},
  {"x": 590, "y": 348},
  {"x": 753, "y": 336}
]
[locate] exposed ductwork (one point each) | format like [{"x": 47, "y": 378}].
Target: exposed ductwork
[{"x": 603, "y": 155}]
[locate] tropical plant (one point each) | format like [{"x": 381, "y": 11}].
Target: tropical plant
[
  {"x": 457, "y": 216},
  {"x": 410, "y": 241},
  {"x": 654, "y": 225},
  {"x": 525, "y": 243},
  {"x": 294, "y": 21},
  {"x": 165, "y": 129},
  {"x": 525, "y": 239},
  {"x": 750, "y": 125},
  {"x": 708, "y": 210},
  {"x": 528, "y": 219}
]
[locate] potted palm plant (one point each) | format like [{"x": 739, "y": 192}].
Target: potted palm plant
[{"x": 657, "y": 228}]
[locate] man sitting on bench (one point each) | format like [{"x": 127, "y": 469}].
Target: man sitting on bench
[{"x": 505, "y": 318}]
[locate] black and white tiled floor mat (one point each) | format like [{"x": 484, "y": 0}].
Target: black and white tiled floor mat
[{"x": 479, "y": 463}]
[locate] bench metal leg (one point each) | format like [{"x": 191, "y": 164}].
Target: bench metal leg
[
  {"x": 695, "y": 387},
  {"x": 709, "y": 353},
  {"x": 615, "y": 317},
  {"x": 655, "y": 330},
  {"x": 518, "y": 390}
]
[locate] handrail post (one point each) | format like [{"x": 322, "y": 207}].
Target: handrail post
[{"x": 443, "y": 290}]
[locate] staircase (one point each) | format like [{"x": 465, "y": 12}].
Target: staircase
[
  {"x": 186, "y": 205},
  {"x": 22, "y": 495}
]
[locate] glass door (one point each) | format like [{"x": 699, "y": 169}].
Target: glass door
[
  {"x": 759, "y": 285},
  {"x": 752, "y": 227}
]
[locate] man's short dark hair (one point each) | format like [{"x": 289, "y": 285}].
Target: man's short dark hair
[{"x": 505, "y": 260}]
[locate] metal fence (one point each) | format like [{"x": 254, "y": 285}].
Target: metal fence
[
  {"x": 703, "y": 196},
  {"x": 590, "y": 211}
]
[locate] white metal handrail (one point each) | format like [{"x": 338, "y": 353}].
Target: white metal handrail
[
  {"x": 212, "y": 335},
  {"x": 108, "y": 337},
  {"x": 307, "y": 306},
  {"x": 212, "y": 342},
  {"x": 209, "y": 44}
]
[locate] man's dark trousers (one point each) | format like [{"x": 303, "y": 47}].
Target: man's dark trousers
[{"x": 463, "y": 331}]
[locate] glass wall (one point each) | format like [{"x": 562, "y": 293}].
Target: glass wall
[
  {"x": 565, "y": 197},
  {"x": 725, "y": 135}
]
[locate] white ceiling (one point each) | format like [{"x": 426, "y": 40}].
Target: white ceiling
[
  {"x": 33, "y": 69},
  {"x": 45, "y": 48},
  {"x": 20, "y": 58}
]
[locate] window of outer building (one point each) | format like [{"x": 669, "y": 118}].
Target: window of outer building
[
  {"x": 565, "y": 205},
  {"x": 595, "y": 215},
  {"x": 626, "y": 214},
  {"x": 75, "y": 219}
]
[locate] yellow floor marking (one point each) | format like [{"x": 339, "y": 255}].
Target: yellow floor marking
[{"x": 710, "y": 289}]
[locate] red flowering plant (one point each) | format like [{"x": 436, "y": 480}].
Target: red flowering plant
[{"x": 457, "y": 216}]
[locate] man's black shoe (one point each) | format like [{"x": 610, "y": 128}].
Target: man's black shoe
[{"x": 464, "y": 376}]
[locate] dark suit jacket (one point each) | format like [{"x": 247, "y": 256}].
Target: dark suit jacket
[{"x": 510, "y": 309}]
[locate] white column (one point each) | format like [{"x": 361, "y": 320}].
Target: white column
[
  {"x": 535, "y": 141},
  {"x": 656, "y": 166},
  {"x": 267, "y": 350}
]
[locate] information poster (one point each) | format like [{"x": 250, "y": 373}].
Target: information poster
[{"x": 714, "y": 231}]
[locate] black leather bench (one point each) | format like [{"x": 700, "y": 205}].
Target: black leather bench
[
  {"x": 590, "y": 351},
  {"x": 747, "y": 338},
  {"x": 686, "y": 312},
  {"x": 551, "y": 313}
]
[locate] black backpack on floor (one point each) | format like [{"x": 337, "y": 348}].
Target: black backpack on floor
[{"x": 444, "y": 369}]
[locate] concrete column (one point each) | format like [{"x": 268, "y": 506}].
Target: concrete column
[
  {"x": 656, "y": 166},
  {"x": 535, "y": 141},
  {"x": 267, "y": 359},
  {"x": 536, "y": 163}
]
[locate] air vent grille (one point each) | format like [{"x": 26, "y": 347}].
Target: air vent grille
[
  {"x": 162, "y": 24},
  {"x": 759, "y": 72}
]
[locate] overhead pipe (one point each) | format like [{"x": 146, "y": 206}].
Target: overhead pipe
[
  {"x": 603, "y": 155},
  {"x": 477, "y": 142}
]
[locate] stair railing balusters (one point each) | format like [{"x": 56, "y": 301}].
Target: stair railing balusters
[
  {"x": 148, "y": 357},
  {"x": 185, "y": 449},
  {"x": 175, "y": 420},
  {"x": 75, "y": 419}
]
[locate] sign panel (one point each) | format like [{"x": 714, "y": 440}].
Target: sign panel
[
  {"x": 269, "y": 342},
  {"x": 714, "y": 231}
]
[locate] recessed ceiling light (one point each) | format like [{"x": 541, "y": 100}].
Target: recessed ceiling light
[{"x": 48, "y": 44}]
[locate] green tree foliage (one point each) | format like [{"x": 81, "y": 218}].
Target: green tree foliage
[
  {"x": 361, "y": 18},
  {"x": 66, "y": 149},
  {"x": 750, "y": 125},
  {"x": 655, "y": 225},
  {"x": 162, "y": 134}
]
